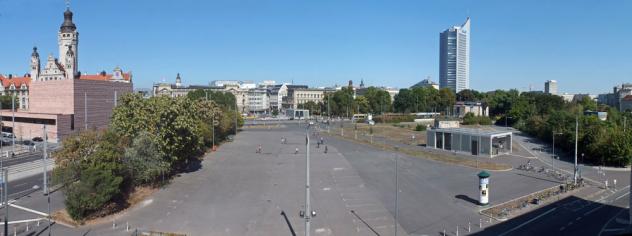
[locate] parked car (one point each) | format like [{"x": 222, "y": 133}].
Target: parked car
[{"x": 38, "y": 139}]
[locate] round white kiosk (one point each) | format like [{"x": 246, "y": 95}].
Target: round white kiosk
[{"x": 483, "y": 186}]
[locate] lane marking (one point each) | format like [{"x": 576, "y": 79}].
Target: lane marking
[
  {"x": 29, "y": 210},
  {"x": 593, "y": 210},
  {"x": 619, "y": 197},
  {"x": 607, "y": 223},
  {"x": 529, "y": 221}
]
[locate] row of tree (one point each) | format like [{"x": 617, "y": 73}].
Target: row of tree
[
  {"x": 148, "y": 140},
  {"x": 342, "y": 103},
  {"x": 602, "y": 142}
]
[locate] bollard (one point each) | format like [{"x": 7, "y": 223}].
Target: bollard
[
  {"x": 113, "y": 224},
  {"x": 480, "y": 223},
  {"x": 444, "y": 232},
  {"x": 127, "y": 226},
  {"x": 469, "y": 227},
  {"x": 606, "y": 184},
  {"x": 457, "y": 230},
  {"x": 37, "y": 222},
  {"x": 614, "y": 184},
  {"x": 27, "y": 227},
  {"x": 15, "y": 231}
]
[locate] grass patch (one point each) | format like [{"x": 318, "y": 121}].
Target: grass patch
[{"x": 403, "y": 136}]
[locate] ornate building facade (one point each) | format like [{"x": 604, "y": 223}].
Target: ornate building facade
[{"x": 59, "y": 96}]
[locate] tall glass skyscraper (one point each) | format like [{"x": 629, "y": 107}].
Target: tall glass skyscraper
[{"x": 454, "y": 58}]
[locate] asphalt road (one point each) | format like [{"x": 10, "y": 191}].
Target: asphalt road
[
  {"x": 568, "y": 216},
  {"x": 236, "y": 191}
]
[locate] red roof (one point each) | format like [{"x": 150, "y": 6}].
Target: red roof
[
  {"x": 18, "y": 81},
  {"x": 627, "y": 98},
  {"x": 126, "y": 77}
]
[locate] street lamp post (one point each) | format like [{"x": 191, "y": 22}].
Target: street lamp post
[
  {"x": 308, "y": 210},
  {"x": 554, "y": 156},
  {"x": 396, "y": 190},
  {"x": 507, "y": 126},
  {"x": 576, "y": 136}
]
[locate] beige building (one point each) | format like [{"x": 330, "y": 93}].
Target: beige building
[
  {"x": 241, "y": 96},
  {"x": 177, "y": 89},
  {"x": 476, "y": 108},
  {"x": 300, "y": 96}
]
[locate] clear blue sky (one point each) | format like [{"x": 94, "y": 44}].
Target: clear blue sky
[{"x": 585, "y": 45}]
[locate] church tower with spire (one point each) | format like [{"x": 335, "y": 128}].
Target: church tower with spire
[
  {"x": 68, "y": 41},
  {"x": 35, "y": 64}
]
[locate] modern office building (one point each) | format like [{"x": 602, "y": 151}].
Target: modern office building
[
  {"x": 550, "y": 87},
  {"x": 454, "y": 58},
  {"x": 258, "y": 101}
]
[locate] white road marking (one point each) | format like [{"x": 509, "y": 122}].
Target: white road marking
[
  {"x": 529, "y": 221},
  {"x": 593, "y": 210},
  {"x": 619, "y": 197},
  {"x": 29, "y": 210},
  {"x": 607, "y": 223},
  {"x": 326, "y": 189}
]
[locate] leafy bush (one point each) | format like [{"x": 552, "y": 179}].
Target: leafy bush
[
  {"x": 144, "y": 161},
  {"x": 420, "y": 127},
  {"x": 95, "y": 188},
  {"x": 470, "y": 119}
]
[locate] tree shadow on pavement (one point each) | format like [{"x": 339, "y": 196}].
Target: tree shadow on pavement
[
  {"x": 194, "y": 164},
  {"x": 467, "y": 199}
]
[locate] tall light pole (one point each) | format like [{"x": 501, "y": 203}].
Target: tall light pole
[
  {"x": 507, "y": 126},
  {"x": 44, "y": 157},
  {"x": 13, "y": 124},
  {"x": 46, "y": 189},
  {"x": 554, "y": 157},
  {"x": 396, "y": 188},
  {"x": 85, "y": 110},
  {"x": 576, "y": 136},
  {"x": 308, "y": 211},
  {"x": 6, "y": 200}
]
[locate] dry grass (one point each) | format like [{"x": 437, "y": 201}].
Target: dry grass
[
  {"x": 261, "y": 126},
  {"x": 402, "y": 136}
]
